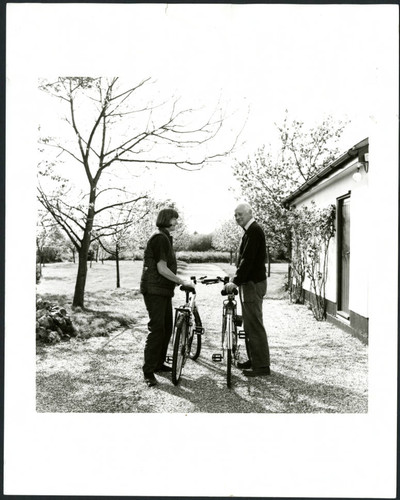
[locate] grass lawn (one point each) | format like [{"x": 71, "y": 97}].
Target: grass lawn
[{"x": 316, "y": 367}]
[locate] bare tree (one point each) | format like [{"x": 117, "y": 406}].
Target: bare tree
[
  {"x": 114, "y": 237},
  {"x": 109, "y": 131}
]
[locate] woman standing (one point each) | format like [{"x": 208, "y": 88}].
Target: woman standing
[{"x": 157, "y": 286}]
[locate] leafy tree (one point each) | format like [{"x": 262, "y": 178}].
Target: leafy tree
[
  {"x": 50, "y": 243},
  {"x": 108, "y": 129},
  {"x": 227, "y": 238},
  {"x": 146, "y": 224},
  {"x": 267, "y": 177}
]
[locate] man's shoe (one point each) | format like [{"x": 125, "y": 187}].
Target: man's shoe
[
  {"x": 163, "y": 368},
  {"x": 260, "y": 372},
  {"x": 150, "y": 380},
  {"x": 245, "y": 365}
]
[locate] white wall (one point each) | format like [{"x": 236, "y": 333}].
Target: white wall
[{"x": 325, "y": 194}]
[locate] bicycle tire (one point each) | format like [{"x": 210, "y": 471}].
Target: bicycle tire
[
  {"x": 235, "y": 346},
  {"x": 229, "y": 368},
  {"x": 179, "y": 352},
  {"x": 195, "y": 345}
]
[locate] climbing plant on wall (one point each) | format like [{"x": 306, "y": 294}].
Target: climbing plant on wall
[{"x": 312, "y": 229}]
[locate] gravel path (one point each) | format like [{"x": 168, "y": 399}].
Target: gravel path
[{"x": 316, "y": 368}]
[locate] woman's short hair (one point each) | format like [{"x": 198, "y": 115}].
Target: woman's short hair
[{"x": 164, "y": 217}]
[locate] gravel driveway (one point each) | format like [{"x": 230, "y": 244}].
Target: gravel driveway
[{"x": 316, "y": 367}]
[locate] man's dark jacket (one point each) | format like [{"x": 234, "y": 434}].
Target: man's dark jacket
[
  {"x": 152, "y": 282},
  {"x": 252, "y": 254}
]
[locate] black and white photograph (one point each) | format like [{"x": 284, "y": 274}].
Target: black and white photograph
[{"x": 201, "y": 250}]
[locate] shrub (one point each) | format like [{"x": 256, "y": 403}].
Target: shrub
[
  {"x": 138, "y": 255},
  {"x": 200, "y": 242},
  {"x": 203, "y": 257},
  {"x": 53, "y": 323}
]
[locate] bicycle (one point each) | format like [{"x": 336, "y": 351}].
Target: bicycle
[
  {"x": 187, "y": 333},
  {"x": 229, "y": 332}
]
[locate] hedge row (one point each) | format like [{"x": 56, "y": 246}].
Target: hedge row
[{"x": 201, "y": 257}]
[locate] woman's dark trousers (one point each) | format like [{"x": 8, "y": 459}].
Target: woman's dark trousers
[{"x": 160, "y": 331}]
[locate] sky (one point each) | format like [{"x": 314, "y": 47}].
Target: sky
[{"x": 260, "y": 60}]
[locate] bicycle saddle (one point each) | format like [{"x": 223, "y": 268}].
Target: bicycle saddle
[
  {"x": 234, "y": 292},
  {"x": 187, "y": 288}
]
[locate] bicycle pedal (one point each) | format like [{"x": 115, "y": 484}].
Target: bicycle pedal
[
  {"x": 241, "y": 334},
  {"x": 199, "y": 330},
  {"x": 216, "y": 357},
  {"x": 168, "y": 359}
]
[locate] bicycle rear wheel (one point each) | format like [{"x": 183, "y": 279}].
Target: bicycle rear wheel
[
  {"x": 195, "y": 345},
  {"x": 179, "y": 352},
  {"x": 229, "y": 333}
]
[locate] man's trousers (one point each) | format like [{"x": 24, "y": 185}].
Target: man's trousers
[
  {"x": 160, "y": 331},
  {"x": 251, "y": 298}
]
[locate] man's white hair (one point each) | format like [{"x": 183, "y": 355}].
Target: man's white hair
[{"x": 246, "y": 207}]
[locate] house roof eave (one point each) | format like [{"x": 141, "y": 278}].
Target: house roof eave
[{"x": 322, "y": 174}]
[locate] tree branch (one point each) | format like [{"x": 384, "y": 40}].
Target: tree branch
[{"x": 119, "y": 204}]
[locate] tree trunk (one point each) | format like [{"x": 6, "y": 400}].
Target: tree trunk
[
  {"x": 268, "y": 263},
  {"x": 117, "y": 264},
  {"x": 79, "y": 294},
  {"x": 231, "y": 254},
  {"x": 290, "y": 270}
]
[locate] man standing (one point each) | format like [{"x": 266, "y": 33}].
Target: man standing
[{"x": 251, "y": 279}]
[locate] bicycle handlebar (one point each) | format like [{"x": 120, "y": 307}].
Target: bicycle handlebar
[
  {"x": 208, "y": 281},
  {"x": 184, "y": 288},
  {"x": 218, "y": 279},
  {"x": 211, "y": 281}
]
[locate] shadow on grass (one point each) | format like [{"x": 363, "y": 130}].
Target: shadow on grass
[
  {"x": 60, "y": 299},
  {"x": 57, "y": 278},
  {"x": 112, "y": 393},
  {"x": 277, "y": 393},
  {"x": 123, "y": 320}
]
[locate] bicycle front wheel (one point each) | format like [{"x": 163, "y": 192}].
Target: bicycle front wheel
[
  {"x": 229, "y": 367},
  {"x": 195, "y": 346},
  {"x": 179, "y": 353}
]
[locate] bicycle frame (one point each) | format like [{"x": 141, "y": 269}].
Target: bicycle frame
[
  {"x": 187, "y": 309},
  {"x": 187, "y": 323},
  {"x": 228, "y": 315},
  {"x": 229, "y": 333}
]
